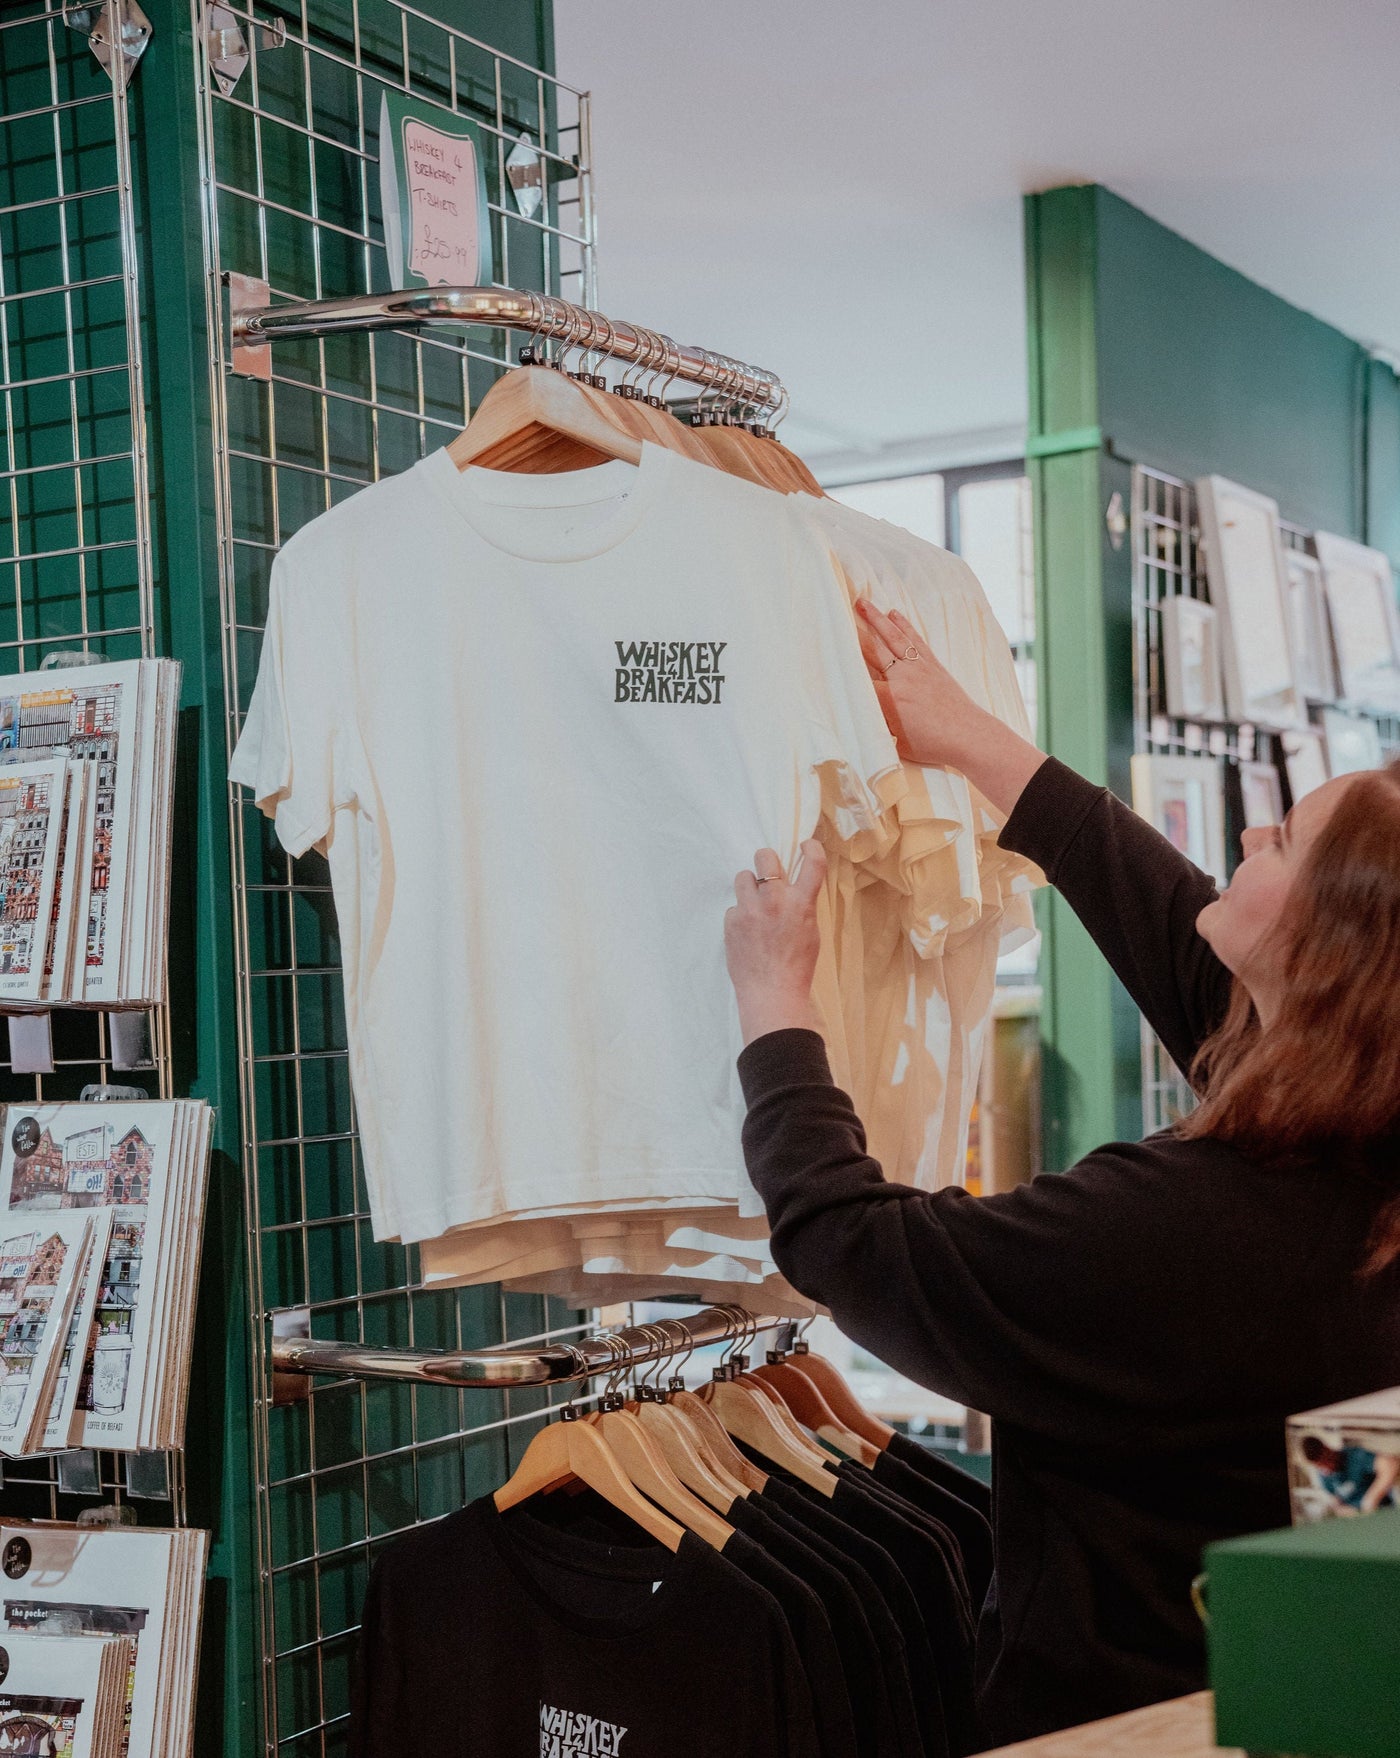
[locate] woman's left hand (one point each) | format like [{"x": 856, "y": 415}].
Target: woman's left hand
[{"x": 771, "y": 942}]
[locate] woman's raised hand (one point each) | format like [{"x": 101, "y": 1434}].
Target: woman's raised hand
[
  {"x": 932, "y": 717},
  {"x": 934, "y": 721}
]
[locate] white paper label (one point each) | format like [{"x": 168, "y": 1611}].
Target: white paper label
[{"x": 440, "y": 170}]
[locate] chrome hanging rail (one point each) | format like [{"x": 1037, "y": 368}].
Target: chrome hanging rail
[
  {"x": 611, "y": 1352},
  {"x": 510, "y": 309}
]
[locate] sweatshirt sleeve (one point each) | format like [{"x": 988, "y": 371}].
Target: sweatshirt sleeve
[
  {"x": 1135, "y": 893},
  {"x": 1041, "y": 1306}
]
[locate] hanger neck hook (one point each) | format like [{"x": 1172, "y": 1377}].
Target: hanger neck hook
[
  {"x": 649, "y": 1383},
  {"x": 676, "y": 1383},
  {"x": 577, "y": 1379}
]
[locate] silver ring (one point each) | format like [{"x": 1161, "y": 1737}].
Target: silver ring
[
  {"x": 910, "y": 652},
  {"x": 767, "y": 878}
]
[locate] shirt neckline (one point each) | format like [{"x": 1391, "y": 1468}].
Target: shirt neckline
[
  {"x": 476, "y": 494},
  {"x": 512, "y": 1539}
]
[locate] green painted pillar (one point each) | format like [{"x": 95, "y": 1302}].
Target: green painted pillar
[{"x": 1083, "y": 659}]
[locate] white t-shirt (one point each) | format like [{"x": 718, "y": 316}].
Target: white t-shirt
[{"x": 537, "y": 724}]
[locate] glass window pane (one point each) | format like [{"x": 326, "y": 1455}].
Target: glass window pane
[{"x": 994, "y": 539}]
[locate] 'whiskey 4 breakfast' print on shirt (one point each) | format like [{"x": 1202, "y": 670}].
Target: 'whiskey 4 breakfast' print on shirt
[
  {"x": 669, "y": 671},
  {"x": 566, "y": 1733}
]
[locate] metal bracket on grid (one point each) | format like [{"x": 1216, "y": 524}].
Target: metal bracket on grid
[
  {"x": 247, "y": 293},
  {"x": 227, "y": 47},
  {"x": 133, "y": 31}
]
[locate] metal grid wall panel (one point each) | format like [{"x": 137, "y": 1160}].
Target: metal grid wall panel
[
  {"x": 289, "y": 158},
  {"x": 1167, "y": 561},
  {"x": 75, "y": 542}
]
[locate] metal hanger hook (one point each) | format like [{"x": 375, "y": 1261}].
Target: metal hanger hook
[
  {"x": 676, "y": 1383},
  {"x": 578, "y": 1378},
  {"x": 671, "y": 357},
  {"x": 646, "y": 1392},
  {"x": 612, "y": 1392},
  {"x": 564, "y": 335},
  {"x": 733, "y": 384},
  {"x": 599, "y": 341},
  {"x": 731, "y": 1337},
  {"x": 584, "y": 336}
]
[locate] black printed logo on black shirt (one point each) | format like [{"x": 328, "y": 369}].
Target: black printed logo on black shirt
[
  {"x": 669, "y": 671},
  {"x": 566, "y": 1733}
]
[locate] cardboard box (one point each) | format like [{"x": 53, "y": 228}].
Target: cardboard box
[{"x": 1344, "y": 1459}]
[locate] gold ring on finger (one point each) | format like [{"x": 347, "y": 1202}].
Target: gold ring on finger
[{"x": 910, "y": 652}]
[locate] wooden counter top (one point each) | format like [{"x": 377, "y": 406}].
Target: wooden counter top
[{"x": 1183, "y": 1728}]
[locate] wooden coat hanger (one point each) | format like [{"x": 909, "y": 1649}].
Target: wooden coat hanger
[
  {"x": 687, "y": 1455},
  {"x": 645, "y": 1463},
  {"x": 633, "y": 414},
  {"x": 540, "y": 422},
  {"x": 668, "y": 1428},
  {"x": 785, "y": 1416},
  {"x": 847, "y": 1408},
  {"x": 807, "y": 1404},
  {"x": 715, "y": 1444},
  {"x": 723, "y": 451},
  {"x": 569, "y": 1450},
  {"x": 760, "y": 458},
  {"x": 748, "y": 1416},
  {"x": 802, "y": 478}
]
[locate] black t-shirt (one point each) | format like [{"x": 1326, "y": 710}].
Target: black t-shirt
[
  {"x": 881, "y": 1731},
  {"x": 587, "y": 1517},
  {"x": 939, "y": 1595},
  {"x": 487, "y": 1635},
  {"x": 871, "y": 1535},
  {"x": 939, "y": 1470},
  {"x": 971, "y": 1529},
  {"x": 816, "y": 1643},
  {"x": 891, "y": 1609},
  {"x": 929, "y": 1525}
]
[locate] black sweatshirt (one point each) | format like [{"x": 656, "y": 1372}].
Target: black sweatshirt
[{"x": 1138, "y": 1327}]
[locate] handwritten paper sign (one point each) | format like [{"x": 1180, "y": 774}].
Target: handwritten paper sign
[{"x": 432, "y": 183}]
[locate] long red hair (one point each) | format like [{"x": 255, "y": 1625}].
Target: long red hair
[{"x": 1325, "y": 1077}]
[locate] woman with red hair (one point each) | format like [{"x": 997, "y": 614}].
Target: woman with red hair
[{"x": 1139, "y": 1327}]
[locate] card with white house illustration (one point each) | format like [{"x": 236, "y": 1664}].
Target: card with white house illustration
[
  {"x": 31, "y": 823},
  {"x": 41, "y": 1258},
  {"x": 72, "y": 1158}
]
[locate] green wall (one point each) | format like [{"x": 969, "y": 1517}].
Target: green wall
[{"x": 1144, "y": 349}]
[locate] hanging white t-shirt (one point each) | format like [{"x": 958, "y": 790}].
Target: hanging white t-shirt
[{"x": 537, "y": 724}]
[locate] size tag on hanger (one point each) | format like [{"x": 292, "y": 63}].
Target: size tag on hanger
[{"x": 1194, "y": 737}]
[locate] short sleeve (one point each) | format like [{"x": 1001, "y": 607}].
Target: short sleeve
[
  {"x": 286, "y": 751},
  {"x": 847, "y": 727}
]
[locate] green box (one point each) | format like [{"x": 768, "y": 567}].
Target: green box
[{"x": 1305, "y": 1639}]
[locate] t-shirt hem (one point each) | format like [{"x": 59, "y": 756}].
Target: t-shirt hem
[{"x": 721, "y": 1183}]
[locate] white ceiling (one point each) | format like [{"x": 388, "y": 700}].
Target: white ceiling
[{"x": 832, "y": 190}]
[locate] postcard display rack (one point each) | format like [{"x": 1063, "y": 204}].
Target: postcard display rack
[
  {"x": 1170, "y": 565},
  {"x": 77, "y": 581}
]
